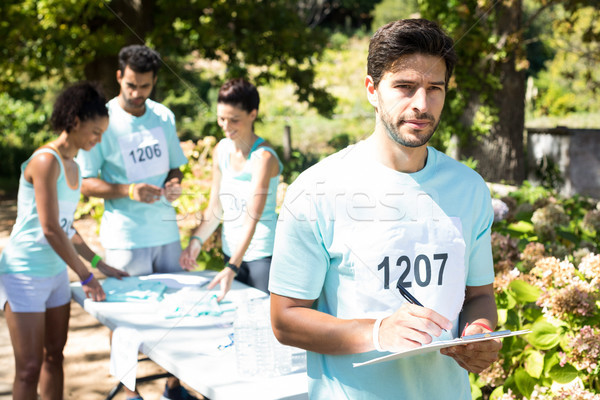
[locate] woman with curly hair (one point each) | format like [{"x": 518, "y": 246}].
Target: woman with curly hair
[{"x": 34, "y": 285}]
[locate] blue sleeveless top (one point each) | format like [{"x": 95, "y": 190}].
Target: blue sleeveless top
[
  {"x": 235, "y": 193},
  {"x": 28, "y": 251}
]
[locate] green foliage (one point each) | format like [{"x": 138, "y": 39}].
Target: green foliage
[
  {"x": 571, "y": 81},
  {"x": 23, "y": 128},
  {"x": 392, "y": 10},
  {"x": 67, "y": 39},
  {"x": 49, "y": 38},
  {"x": 556, "y": 296}
]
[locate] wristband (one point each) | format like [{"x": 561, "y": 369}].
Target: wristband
[
  {"x": 198, "y": 238},
  {"x": 376, "y": 327},
  {"x": 95, "y": 260},
  {"x": 234, "y": 268},
  {"x": 131, "y": 190},
  {"x": 88, "y": 280},
  {"x": 481, "y": 324}
]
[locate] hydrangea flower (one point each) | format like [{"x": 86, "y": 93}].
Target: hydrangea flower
[
  {"x": 583, "y": 349},
  {"x": 545, "y": 220},
  {"x": 590, "y": 268},
  {"x": 500, "y": 210},
  {"x": 591, "y": 221},
  {"x": 578, "y": 298},
  {"x": 532, "y": 253},
  {"x": 553, "y": 272}
]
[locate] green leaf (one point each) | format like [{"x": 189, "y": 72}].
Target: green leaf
[
  {"x": 497, "y": 393},
  {"x": 502, "y": 315},
  {"x": 534, "y": 363},
  {"x": 525, "y": 383},
  {"x": 524, "y": 292},
  {"x": 544, "y": 335},
  {"x": 512, "y": 320},
  {"x": 521, "y": 227},
  {"x": 476, "y": 393},
  {"x": 564, "y": 374},
  {"x": 510, "y": 300},
  {"x": 532, "y": 313},
  {"x": 570, "y": 236}
]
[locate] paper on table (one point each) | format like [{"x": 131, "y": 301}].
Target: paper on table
[
  {"x": 177, "y": 281},
  {"x": 427, "y": 348},
  {"x": 124, "y": 350}
]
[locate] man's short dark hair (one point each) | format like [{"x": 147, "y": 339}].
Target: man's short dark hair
[
  {"x": 239, "y": 93},
  {"x": 139, "y": 58},
  {"x": 405, "y": 37}
]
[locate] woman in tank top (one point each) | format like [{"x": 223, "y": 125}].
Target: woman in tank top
[
  {"x": 34, "y": 285},
  {"x": 245, "y": 175}
]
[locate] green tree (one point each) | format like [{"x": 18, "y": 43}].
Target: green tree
[
  {"x": 76, "y": 39},
  {"x": 486, "y": 102}
]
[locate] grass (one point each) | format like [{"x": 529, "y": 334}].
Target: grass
[{"x": 574, "y": 121}]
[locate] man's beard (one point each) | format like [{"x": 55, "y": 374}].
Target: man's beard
[{"x": 393, "y": 130}]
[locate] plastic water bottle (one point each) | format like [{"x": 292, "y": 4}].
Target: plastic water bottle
[
  {"x": 244, "y": 342},
  {"x": 258, "y": 352}
]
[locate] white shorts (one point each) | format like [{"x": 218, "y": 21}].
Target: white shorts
[
  {"x": 27, "y": 293},
  {"x": 146, "y": 260}
]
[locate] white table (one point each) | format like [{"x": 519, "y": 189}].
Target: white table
[{"x": 188, "y": 347}]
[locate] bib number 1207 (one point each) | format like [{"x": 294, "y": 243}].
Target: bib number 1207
[{"x": 421, "y": 266}]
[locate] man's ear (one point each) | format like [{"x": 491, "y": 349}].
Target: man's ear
[
  {"x": 119, "y": 76},
  {"x": 371, "y": 91}
]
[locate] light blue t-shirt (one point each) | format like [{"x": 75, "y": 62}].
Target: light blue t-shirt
[
  {"x": 234, "y": 194},
  {"x": 28, "y": 252},
  {"x": 136, "y": 150},
  {"x": 350, "y": 229}
]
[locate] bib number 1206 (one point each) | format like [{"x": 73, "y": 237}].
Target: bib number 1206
[
  {"x": 142, "y": 154},
  {"x": 421, "y": 266}
]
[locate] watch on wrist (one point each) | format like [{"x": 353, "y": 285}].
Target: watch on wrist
[{"x": 233, "y": 267}]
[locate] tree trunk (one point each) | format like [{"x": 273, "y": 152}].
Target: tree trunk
[
  {"x": 500, "y": 154},
  {"x": 135, "y": 21}
]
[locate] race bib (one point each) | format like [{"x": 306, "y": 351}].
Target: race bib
[
  {"x": 234, "y": 201},
  {"x": 66, "y": 216},
  {"x": 426, "y": 257},
  {"x": 145, "y": 154}
]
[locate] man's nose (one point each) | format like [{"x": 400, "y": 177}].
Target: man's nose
[{"x": 419, "y": 100}]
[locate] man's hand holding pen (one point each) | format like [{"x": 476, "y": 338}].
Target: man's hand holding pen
[
  {"x": 411, "y": 326},
  {"x": 475, "y": 357}
]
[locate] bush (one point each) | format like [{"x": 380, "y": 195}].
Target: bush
[{"x": 547, "y": 280}]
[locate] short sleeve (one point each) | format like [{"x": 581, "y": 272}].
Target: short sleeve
[
  {"x": 176, "y": 156},
  {"x": 300, "y": 259},
  {"x": 90, "y": 162},
  {"x": 481, "y": 264}
]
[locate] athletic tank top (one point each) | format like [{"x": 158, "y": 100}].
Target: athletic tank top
[
  {"x": 235, "y": 194},
  {"x": 28, "y": 251}
]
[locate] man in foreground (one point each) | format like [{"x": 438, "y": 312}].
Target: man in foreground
[{"x": 389, "y": 212}]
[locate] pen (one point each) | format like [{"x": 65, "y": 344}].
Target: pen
[{"x": 409, "y": 297}]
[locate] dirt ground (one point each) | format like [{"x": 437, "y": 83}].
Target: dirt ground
[{"x": 87, "y": 353}]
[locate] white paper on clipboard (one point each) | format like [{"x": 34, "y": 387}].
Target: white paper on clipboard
[{"x": 427, "y": 348}]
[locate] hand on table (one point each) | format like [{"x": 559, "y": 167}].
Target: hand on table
[
  {"x": 93, "y": 290},
  {"x": 110, "y": 271},
  {"x": 475, "y": 357},
  {"x": 224, "y": 279},
  {"x": 411, "y": 326}
]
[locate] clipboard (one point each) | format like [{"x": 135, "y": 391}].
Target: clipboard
[{"x": 427, "y": 348}]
